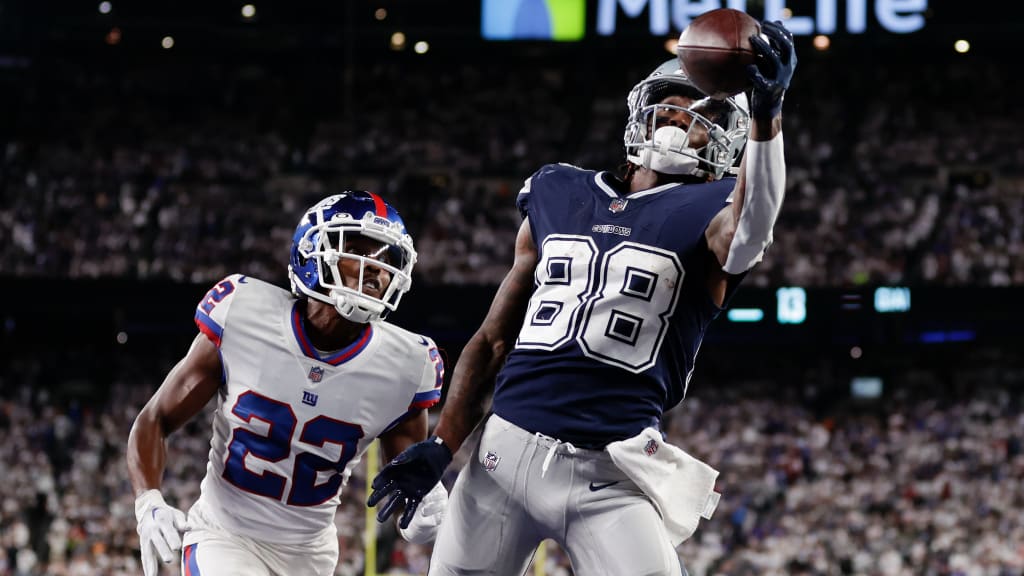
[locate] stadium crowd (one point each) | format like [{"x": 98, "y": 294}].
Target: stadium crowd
[
  {"x": 909, "y": 486},
  {"x": 138, "y": 176}
]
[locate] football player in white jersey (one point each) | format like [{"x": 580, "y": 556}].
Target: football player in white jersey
[{"x": 304, "y": 381}]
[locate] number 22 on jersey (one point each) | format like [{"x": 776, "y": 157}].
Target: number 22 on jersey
[
  {"x": 616, "y": 305},
  {"x": 275, "y": 445}
]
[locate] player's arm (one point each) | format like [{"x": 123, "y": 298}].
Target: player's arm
[
  {"x": 721, "y": 232},
  {"x": 415, "y": 473},
  {"x": 412, "y": 430},
  {"x": 485, "y": 352},
  {"x": 430, "y": 511},
  {"x": 739, "y": 234},
  {"x": 183, "y": 394}
]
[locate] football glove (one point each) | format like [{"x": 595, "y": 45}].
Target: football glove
[
  {"x": 774, "y": 70},
  {"x": 408, "y": 478},
  {"x": 160, "y": 527},
  {"x": 429, "y": 515}
]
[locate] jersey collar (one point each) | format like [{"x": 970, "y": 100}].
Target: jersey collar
[
  {"x": 341, "y": 356},
  {"x": 612, "y": 193}
]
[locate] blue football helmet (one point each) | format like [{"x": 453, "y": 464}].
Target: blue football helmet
[{"x": 357, "y": 227}]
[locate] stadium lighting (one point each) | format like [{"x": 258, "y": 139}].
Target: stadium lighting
[
  {"x": 962, "y": 46},
  {"x": 248, "y": 11},
  {"x": 792, "y": 305},
  {"x": 105, "y": 7},
  {"x": 866, "y": 387},
  {"x": 421, "y": 47},
  {"x": 821, "y": 42},
  {"x": 671, "y": 44},
  {"x": 122, "y": 337},
  {"x": 380, "y": 14},
  {"x": 856, "y": 352},
  {"x": 398, "y": 41},
  {"x": 745, "y": 314},
  {"x": 892, "y": 299},
  {"x": 114, "y": 36},
  {"x": 167, "y": 42}
]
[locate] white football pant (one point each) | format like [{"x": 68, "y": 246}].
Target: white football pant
[{"x": 210, "y": 550}]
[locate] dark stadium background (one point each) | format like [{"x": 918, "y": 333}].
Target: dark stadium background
[{"x": 82, "y": 346}]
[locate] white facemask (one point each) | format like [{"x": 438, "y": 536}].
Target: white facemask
[{"x": 356, "y": 307}]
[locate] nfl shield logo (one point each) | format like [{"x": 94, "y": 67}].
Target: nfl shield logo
[
  {"x": 491, "y": 461},
  {"x": 618, "y": 205},
  {"x": 316, "y": 374},
  {"x": 651, "y": 448}
]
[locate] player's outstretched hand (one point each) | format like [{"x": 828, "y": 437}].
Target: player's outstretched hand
[
  {"x": 159, "y": 526},
  {"x": 409, "y": 477},
  {"x": 429, "y": 515},
  {"x": 774, "y": 71}
]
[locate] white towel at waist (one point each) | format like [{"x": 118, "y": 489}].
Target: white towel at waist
[{"x": 682, "y": 487}]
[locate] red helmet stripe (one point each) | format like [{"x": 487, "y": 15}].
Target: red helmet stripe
[{"x": 379, "y": 206}]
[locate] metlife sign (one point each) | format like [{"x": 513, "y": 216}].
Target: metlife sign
[
  {"x": 829, "y": 17},
  {"x": 567, "y": 21}
]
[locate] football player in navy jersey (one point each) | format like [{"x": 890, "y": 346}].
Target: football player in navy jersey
[
  {"x": 593, "y": 334},
  {"x": 303, "y": 382}
]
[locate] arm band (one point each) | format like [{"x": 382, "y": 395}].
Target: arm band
[{"x": 765, "y": 189}]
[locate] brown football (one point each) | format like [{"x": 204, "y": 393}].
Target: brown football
[{"x": 714, "y": 51}]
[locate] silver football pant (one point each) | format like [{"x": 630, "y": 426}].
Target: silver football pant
[{"x": 521, "y": 488}]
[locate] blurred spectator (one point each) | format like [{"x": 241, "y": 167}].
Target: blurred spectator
[
  {"x": 916, "y": 484},
  {"x": 893, "y": 184}
]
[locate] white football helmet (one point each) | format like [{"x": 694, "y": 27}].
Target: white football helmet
[{"x": 668, "y": 149}]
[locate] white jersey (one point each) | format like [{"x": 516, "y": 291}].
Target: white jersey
[{"x": 291, "y": 424}]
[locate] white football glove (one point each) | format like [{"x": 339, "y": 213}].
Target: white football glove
[
  {"x": 160, "y": 527},
  {"x": 423, "y": 527}
]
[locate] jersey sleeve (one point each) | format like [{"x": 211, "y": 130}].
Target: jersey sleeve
[
  {"x": 523, "y": 198},
  {"x": 429, "y": 391},
  {"x": 212, "y": 311},
  {"x": 529, "y": 185}
]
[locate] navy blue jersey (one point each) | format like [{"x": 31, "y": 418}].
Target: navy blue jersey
[{"x": 619, "y": 307}]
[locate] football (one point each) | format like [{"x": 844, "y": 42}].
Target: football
[{"x": 714, "y": 51}]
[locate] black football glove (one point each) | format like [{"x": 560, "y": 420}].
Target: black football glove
[
  {"x": 776, "y": 61},
  {"x": 409, "y": 477}
]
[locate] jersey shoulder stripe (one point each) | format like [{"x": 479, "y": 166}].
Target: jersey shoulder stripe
[{"x": 423, "y": 400}]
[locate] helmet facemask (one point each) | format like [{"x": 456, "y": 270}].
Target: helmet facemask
[
  {"x": 370, "y": 252},
  {"x": 711, "y": 143}
]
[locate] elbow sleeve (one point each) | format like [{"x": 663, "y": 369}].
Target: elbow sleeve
[{"x": 765, "y": 189}]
